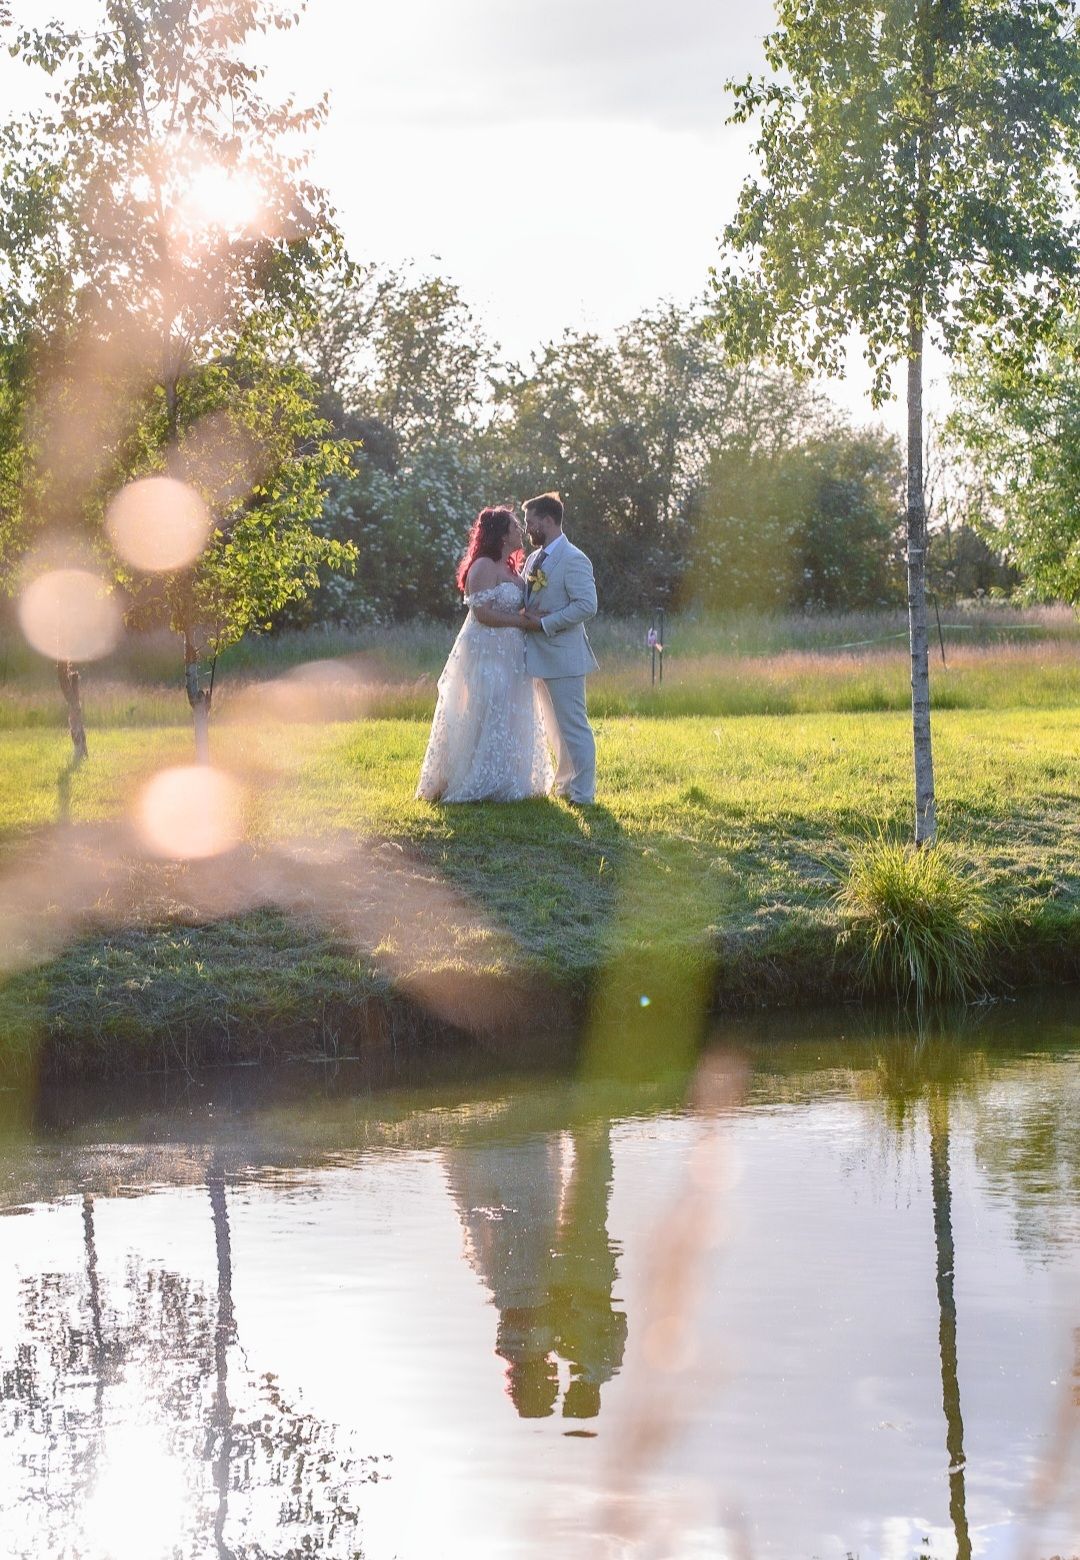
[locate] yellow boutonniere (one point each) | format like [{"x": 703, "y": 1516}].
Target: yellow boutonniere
[{"x": 537, "y": 580}]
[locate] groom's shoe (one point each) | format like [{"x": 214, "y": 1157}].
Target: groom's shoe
[{"x": 578, "y": 801}]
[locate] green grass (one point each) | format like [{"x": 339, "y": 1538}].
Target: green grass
[
  {"x": 709, "y": 870},
  {"x": 922, "y": 928},
  {"x": 743, "y": 664}
]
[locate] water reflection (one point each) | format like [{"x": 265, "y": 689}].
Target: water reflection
[
  {"x": 250, "y": 1325},
  {"x": 119, "y": 1437},
  {"x": 938, "y": 1110},
  {"x": 224, "y": 1337},
  {"x": 535, "y": 1219}
]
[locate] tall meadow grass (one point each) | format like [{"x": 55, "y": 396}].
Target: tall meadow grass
[
  {"x": 996, "y": 656},
  {"x": 920, "y": 926}
]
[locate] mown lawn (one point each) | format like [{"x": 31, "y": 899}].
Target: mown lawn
[
  {"x": 712, "y": 858},
  {"x": 703, "y": 822}
]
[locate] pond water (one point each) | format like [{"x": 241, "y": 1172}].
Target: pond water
[{"x": 819, "y": 1296}]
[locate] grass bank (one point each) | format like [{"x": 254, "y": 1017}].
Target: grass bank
[{"x": 347, "y": 914}]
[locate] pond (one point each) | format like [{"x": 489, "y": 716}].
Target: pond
[{"x": 817, "y": 1296}]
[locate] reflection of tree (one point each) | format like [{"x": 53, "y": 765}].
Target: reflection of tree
[
  {"x": 910, "y": 1068},
  {"x": 165, "y": 1353},
  {"x": 1027, "y": 1143},
  {"x": 938, "y": 1110},
  {"x": 535, "y": 1216},
  {"x": 93, "y": 1287},
  {"x": 224, "y": 1332},
  {"x": 97, "y": 1330},
  {"x": 55, "y": 1406}
]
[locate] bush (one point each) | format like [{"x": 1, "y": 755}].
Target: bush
[
  {"x": 919, "y": 926},
  {"x": 811, "y": 527},
  {"x": 409, "y": 527}
]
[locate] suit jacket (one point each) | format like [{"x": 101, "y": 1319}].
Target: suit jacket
[{"x": 562, "y": 648}]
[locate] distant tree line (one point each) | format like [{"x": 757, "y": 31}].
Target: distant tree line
[{"x": 693, "y": 481}]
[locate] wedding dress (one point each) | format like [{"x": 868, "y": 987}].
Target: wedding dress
[{"x": 488, "y": 742}]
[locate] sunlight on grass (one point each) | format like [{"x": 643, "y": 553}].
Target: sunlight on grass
[
  {"x": 742, "y": 665},
  {"x": 711, "y": 864}
]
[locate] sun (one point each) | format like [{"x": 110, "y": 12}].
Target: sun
[{"x": 219, "y": 197}]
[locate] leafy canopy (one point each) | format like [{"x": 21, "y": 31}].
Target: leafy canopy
[
  {"x": 1020, "y": 422},
  {"x": 160, "y": 251},
  {"x": 918, "y": 166}
]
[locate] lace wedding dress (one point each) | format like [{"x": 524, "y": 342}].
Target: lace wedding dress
[{"x": 488, "y": 742}]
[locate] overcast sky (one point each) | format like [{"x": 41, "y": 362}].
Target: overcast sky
[{"x": 565, "y": 161}]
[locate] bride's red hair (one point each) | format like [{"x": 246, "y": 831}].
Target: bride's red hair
[{"x": 486, "y": 541}]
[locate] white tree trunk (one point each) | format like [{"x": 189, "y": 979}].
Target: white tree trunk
[{"x": 925, "y": 813}]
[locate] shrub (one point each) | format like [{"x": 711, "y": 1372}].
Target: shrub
[{"x": 918, "y": 924}]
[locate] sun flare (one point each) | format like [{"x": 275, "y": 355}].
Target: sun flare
[{"x": 227, "y": 198}]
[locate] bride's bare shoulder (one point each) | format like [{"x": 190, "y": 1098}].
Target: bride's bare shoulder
[{"x": 484, "y": 573}]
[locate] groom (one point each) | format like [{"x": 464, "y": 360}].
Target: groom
[{"x": 560, "y": 598}]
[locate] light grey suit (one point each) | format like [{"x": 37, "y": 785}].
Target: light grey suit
[{"x": 559, "y": 658}]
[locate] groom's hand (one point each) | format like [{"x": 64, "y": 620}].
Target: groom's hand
[{"x": 530, "y": 620}]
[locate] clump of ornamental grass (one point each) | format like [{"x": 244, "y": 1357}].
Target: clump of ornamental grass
[{"x": 919, "y": 925}]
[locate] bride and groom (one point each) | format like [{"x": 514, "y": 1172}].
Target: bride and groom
[{"x": 515, "y": 679}]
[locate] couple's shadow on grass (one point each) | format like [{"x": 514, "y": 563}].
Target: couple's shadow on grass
[
  {"x": 542, "y": 820},
  {"x": 552, "y": 810},
  {"x": 543, "y": 867}
]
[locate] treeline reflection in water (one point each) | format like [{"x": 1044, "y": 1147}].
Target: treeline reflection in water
[{"x": 235, "y": 1319}]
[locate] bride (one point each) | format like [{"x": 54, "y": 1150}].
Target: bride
[{"x": 488, "y": 742}]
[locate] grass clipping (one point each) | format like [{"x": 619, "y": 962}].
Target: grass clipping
[{"x": 919, "y": 926}]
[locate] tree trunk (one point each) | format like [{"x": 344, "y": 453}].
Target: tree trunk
[
  {"x": 199, "y": 699},
  {"x": 925, "y": 813},
  {"x": 938, "y": 1111},
  {"x": 68, "y": 676},
  {"x": 926, "y": 24}
]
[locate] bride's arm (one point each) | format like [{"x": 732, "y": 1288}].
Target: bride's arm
[
  {"x": 484, "y": 578},
  {"x": 494, "y": 617}
]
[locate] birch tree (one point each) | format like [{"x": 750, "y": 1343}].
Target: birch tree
[{"x": 917, "y": 178}]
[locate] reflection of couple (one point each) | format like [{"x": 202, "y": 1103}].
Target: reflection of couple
[
  {"x": 535, "y": 1217},
  {"x": 515, "y": 678}
]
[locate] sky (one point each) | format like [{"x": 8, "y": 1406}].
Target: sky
[{"x": 566, "y": 162}]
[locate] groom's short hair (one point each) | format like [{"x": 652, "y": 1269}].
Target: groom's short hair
[{"x": 548, "y": 506}]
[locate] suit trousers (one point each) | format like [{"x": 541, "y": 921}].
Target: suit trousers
[{"x": 575, "y": 745}]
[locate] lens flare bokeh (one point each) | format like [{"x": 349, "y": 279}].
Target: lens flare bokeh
[
  {"x": 190, "y": 813},
  {"x": 70, "y": 615},
  {"x": 158, "y": 524}
]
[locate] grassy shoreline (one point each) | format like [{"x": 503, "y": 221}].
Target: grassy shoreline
[
  {"x": 221, "y": 1004},
  {"x": 350, "y": 916}
]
